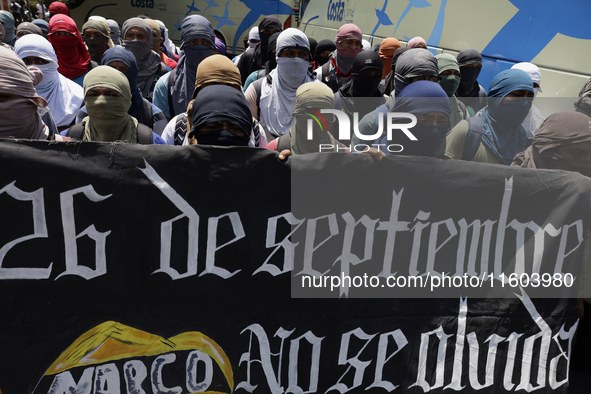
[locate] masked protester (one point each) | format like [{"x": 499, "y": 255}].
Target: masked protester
[
  {"x": 137, "y": 38},
  {"x": 145, "y": 112},
  {"x": 64, "y": 97},
  {"x": 269, "y": 65},
  {"x": 214, "y": 70},
  {"x": 470, "y": 92},
  {"x": 562, "y": 143},
  {"x": 249, "y": 43},
  {"x": 322, "y": 53},
  {"x": 449, "y": 74},
  {"x": 157, "y": 42},
  {"x": 534, "y": 119},
  {"x": 7, "y": 21},
  {"x": 220, "y": 117},
  {"x": 310, "y": 96},
  {"x": 220, "y": 47},
  {"x": 386, "y": 52},
  {"x": 73, "y": 58},
  {"x": 115, "y": 32},
  {"x": 361, "y": 94},
  {"x": 58, "y": 7},
  {"x": 337, "y": 71},
  {"x": 417, "y": 42},
  {"x": 96, "y": 37},
  {"x": 107, "y": 96},
  {"x": 313, "y": 45},
  {"x": 415, "y": 65},
  {"x": 510, "y": 98},
  {"x": 390, "y": 79},
  {"x": 27, "y": 28},
  {"x": 167, "y": 46},
  {"x": 272, "y": 98},
  {"x": 583, "y": 103},
  {"x": 253, "y": 60},
  {"x": 19, "y": 100},
  {"x": 2, "y": 34},
  {"x": 197, "y": 43},
  {"x": 430, "y": 104},
  {"x": 43, "y": 25}
]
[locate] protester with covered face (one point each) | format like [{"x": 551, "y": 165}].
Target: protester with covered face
[
  {"x": 173, "y": 91},
  {"x": 430, "y": 104},
  {"x": 449, "y": 74},
  {"x": 365, "y": 45},
  {"x": 167, "y": 46},
  {"x": 390, "y": 79},
  {"x": 27, "y": 28},
  {"x": 137, "y": 38},
  {"x": 470, "y": 92},
  {"x": 19, "y": 101},
  {"x": 7, "y": 21},
  {"x": 313, "y": 45},
  {"x": 417, "y": 42},
  {"x": 322, "y": 53},
  {"x": 221, "y": 117},
  {"x": 220, "y": 47},
  {"x": 249, "y": 43},
  {"x": 145, "y": 112},
  {"x": 310, "y": 96},
  {"x": 337, "y": 72},
  {"x": 534, "y": 119},
  {"x": 56, "y": 8},
  {"x": 387, "y": 48},
  {"x": 361, "y": 94},
  {"x": 214, "y": 70},
  {"x": 269, "y": 65},
  {"x": 272, "y": 98},
  {"x": 108, "y": 98},
  {"x": 2, "y": 34},
  {"x": 412, "y": 65},
  {"x": 64, "y": 97},
  {"x": 157, "y": 42},
  {"x": 499, "y": 124},
  {"x": 96, "y": 35},
  {"x": 73, "y": 58},
  {"x": 563, "y": 142},
  {"x": 115, "y": 33},
  {"x": 255, "y": 60}
]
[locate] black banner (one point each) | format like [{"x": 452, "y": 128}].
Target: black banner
[{"x": 155, "y": 269}]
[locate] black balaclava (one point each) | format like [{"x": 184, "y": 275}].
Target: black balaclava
[{"x": 323, "y": 45}]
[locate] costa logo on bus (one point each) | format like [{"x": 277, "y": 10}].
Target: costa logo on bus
[
  {"x": 142, "y": 3},
  {"x": 335, "y": 10},
  {"x": 344, "y": 133}
]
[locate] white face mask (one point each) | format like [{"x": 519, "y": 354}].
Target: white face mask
[
  {"x": 49, "y": 74},
  {"x": 292, "y": 71},
  {"x": 536, "y": 91}
]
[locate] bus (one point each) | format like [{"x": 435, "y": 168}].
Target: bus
[
  {"x": 231, "y": 19},
  {"x": 554, "y": 36}
]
